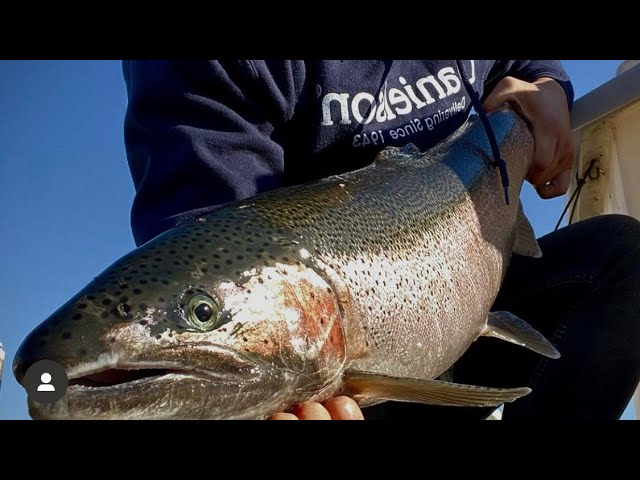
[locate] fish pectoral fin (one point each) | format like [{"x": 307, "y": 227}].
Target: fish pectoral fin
[
  {"x": 372, "y": 385},
  {"x": 506, "y": 326},
  {"x": 526, "y": 243}
]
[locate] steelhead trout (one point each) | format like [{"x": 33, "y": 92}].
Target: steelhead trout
[{"x": 369, "y": 284}]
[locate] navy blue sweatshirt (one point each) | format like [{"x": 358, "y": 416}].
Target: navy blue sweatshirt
[{"x": 205, "y": 133}]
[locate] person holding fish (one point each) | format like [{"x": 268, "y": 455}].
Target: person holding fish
[
  {"x": 203, "y": 134},
  {"x": 316, "y": 237}
]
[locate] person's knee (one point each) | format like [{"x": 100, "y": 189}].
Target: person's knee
[
  {"x": 618, "y": 220},
  {"x": 623, "y": 229}
]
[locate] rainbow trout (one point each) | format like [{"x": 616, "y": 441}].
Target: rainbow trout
[{"x": 369, "y": 284}]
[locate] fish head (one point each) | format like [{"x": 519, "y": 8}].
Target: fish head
[{"x": 167, "y": 334}]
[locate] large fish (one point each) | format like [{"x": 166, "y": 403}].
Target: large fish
[{"x": 370, "y": 284}]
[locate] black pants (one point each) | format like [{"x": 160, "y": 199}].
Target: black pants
[{"x": 584, "y": 296}]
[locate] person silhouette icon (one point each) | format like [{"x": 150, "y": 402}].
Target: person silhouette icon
[{"x": 46, "y": 386}]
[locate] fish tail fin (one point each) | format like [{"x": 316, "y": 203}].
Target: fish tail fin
[{"x": 526, "y": 243}]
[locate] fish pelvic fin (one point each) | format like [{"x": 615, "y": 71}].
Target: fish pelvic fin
[
  {"x": 525, "y": 243},
  {"x": 370, "y": 385},
  {"x": 506, "y": 326}
]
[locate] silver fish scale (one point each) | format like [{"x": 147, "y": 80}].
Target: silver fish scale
[{"x": 409, "y": 237}]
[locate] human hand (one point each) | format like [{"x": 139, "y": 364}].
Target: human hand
[
  {"x": 544, "y": 104},
  {"x": 337, "y": 408}
]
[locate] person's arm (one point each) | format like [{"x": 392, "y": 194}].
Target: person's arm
[
  {"x": 201, "y": 133},
  {"x": 541, "y": 91}
]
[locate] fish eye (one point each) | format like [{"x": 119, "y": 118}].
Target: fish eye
[{"x": 202, "y": 312}]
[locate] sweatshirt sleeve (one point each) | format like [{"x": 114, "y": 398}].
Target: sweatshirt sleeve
[
  {"x": 530, "y": 70},
  {"x": 203, "y": 133}
]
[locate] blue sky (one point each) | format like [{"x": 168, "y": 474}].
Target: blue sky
[{"x": 66, "y": 193}]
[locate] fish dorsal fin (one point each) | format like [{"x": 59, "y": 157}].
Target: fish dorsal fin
[
  {"x": 370, "y": 385},
  {"x": 526, "y": 243},
  {"x": 394, "y": 155},
  {"x": 506, "y": 326}
]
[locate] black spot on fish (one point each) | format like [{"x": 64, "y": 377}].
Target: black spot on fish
[
  {"x": 106, "y": 302},
  {"x": 90, "y": 297},
  {"x": 137, "y": 291},
  {"x": 165, "y": 282},
  {"x": 82, "y": 306},
  {"x": 77, "y": 316},
  {"x": 161, "y": 300},
  {"x": 66, "y": 335},
  {"x": 112, "y": 339},
  {"x": 204, "y": 270},
  {"x": 82, "y": 352},
  {"x": 143, "y": 322},
  {"x": 143, "y": 282},
  {"x": 142, "y": 306}
]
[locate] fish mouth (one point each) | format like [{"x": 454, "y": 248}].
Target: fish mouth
[
  {"x": 111, "y": 388},
  {"x": 114, "y": 377},
  {"x": 122, "y": 374}
]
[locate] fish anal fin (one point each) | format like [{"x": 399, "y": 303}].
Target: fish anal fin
[{"x": 508, "y": 327}]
